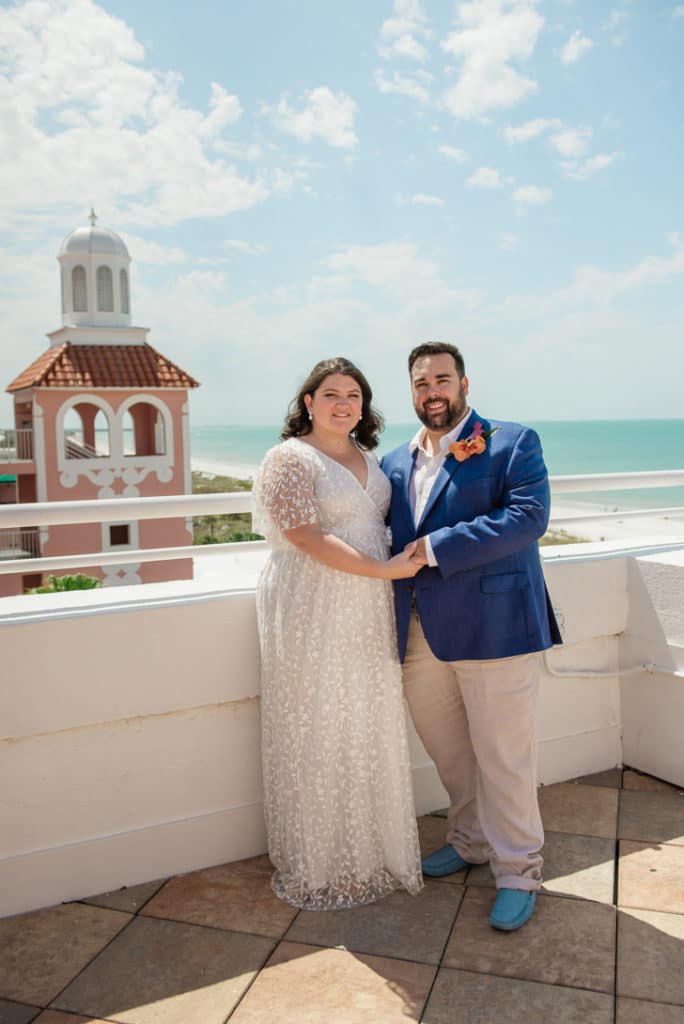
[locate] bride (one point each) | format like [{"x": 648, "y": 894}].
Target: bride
[{"x": 337, "y": 784}]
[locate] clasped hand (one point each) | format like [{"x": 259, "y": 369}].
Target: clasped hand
[
  {"x": 418, "y": 551},
  {"x": 409, "y": 561}
]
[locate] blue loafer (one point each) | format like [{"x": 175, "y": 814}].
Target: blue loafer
[
  {"x": 512, "y": 908},
  {"x": 444, "y": 861}
]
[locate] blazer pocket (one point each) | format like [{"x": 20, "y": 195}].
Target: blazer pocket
[
  {"x": 503, "y": 582},
  {"x": 465, "y": 483}
]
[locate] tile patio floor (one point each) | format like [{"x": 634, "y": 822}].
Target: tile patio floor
[{"x": 605, "y": 946}]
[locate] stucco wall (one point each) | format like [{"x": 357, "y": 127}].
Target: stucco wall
[
  {"x": 130, "y": 726},
  {"x": 653, "y": 705}
]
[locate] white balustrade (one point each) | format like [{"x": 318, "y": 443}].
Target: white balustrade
[
  {"x": 107, "y": 510},
  {"x": 16, "y": 445}
]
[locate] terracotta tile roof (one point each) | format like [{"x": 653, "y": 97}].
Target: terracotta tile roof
[{"x": 102, "y": 366}]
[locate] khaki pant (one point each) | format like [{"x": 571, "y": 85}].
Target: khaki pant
[{"x": 477, "y": 722}]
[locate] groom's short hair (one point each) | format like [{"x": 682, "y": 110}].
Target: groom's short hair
[{"x": 437, "y": 348}]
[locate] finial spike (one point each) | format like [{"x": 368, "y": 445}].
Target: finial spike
[{"x": 93, "y": 217}]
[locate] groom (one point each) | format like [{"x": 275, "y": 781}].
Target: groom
[{"x": 475, "y": 493}]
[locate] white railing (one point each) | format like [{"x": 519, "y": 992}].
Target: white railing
[
  {"x": 593, "y": 482},
  {"x": 16, "y": 445},
  {"x": 19, "y": 544},
  {"x": 114, "y": 510},
  {"x": 617, "y": 481},
  {"x": 108, "y": 510},
  {"x": 75, "y": 449}
]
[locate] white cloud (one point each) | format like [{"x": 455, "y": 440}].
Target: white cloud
[
  {"x": 610, "y": 122},
  {"x": 80, "y": 107},
  {"x": 571, "y": 142},
  {"x": 530, "y": 129},
  {"x": 616, "y": 17},
  {"x": 596, "y": 286},
  {"x": 588, "y": 168},
  {"x": 247, "y": 247},
  {"x": 422, "y": 199},
  {"x": 327, "y": 115},
  {"x": 678, "y": 11},
  {"x": 223, "y": 109},
  {"x": 404, "y": 85},
  {"x": 576, "y": 45},
  {"x": 532, "y": 195},
  {"x": 615, "y": 25},
  {"x": 492, "y": 35},
  {"x": 144, "y": 251},
  {"x": 389, "y": 265},
  {"x": 508, "y": 242},
  {"x": 209, "y": 283},
  {"x": 459, "y": 156},
  {"x": 485, "y": 177},
  {"x": 401, "y": 34}
]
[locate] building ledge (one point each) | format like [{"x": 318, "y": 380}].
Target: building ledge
[{"x": 235, "y": 573}]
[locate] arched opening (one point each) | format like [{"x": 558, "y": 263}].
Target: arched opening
[
  {"x": 125, "y": 298},
  {"x": 86, "y": 432},
  {"x": 73, "y": 433},
  {"x": 105, "y": 290},
  {"x": 101, "y": 431},
  {"x": 144, "y": 432},
  {"x": 79, "y": 289},
  {"x": 128, "y": 434}
]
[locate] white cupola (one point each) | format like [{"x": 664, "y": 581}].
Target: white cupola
[
  {"x": 96, "y": 296},
  {"x": 94, "y": 264}
]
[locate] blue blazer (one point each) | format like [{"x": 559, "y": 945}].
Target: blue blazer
[{"x": 487, "y": 597}]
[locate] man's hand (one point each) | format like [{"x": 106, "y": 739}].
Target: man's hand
[{"x": 420, "y": 554}]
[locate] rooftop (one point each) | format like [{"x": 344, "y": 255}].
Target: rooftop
[
  {"x": 102, "y": 366},
  {"x": 214, "y": 946},
  {"x": 93, "y": 238}
]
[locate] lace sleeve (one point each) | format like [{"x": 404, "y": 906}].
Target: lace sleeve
[{"x": 283, "y": 492}]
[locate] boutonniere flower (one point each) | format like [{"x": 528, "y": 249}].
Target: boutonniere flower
[{"x": 474, "y": 444}]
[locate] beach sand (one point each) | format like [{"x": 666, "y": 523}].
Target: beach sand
[
  {"x": 239, "y": 470},
  {"x": 645, "y": 528}
]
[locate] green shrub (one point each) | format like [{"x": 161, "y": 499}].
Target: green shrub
[{"x": 61, "y": 583}]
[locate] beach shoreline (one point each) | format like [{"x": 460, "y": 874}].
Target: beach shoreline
[{"x": 238, "y": 470}]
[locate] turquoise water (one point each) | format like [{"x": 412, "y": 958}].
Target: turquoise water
[{"x": 583, "y": 446}]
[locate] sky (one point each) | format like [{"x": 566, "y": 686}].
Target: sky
[{"x": 298, "y": 179}]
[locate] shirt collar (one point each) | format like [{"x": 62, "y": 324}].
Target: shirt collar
[{"x": 444, "y": 441}]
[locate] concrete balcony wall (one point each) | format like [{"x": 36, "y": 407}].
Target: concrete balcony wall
[
  {"x": 131, "y": 740},
  {"x": 579, "y": 717},
  {"x": 653, "y": 705},
  {"x": 130, "y": 725}
]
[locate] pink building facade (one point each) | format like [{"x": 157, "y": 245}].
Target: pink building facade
[{"x": 100, "y": 414}]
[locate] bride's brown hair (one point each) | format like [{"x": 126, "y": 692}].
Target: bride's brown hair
[{"x": 297, "y": 422}]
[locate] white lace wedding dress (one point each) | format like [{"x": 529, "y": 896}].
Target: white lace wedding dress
[{"x": 337, "y": 783}]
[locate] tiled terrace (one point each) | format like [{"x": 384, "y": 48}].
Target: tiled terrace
[{"x": 605, "y": 944}]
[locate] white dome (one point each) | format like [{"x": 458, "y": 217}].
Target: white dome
[{"x": 94, "y": 239}]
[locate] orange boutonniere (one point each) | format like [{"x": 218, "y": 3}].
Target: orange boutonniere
[{"x": 475, "y": 444}]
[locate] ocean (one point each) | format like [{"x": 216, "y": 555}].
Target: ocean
[{"x": 570, "y": 447}]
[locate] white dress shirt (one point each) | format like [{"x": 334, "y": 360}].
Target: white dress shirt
[{"x": 425, "y": 471}]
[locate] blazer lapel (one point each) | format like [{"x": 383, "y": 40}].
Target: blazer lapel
[
  {"x": 400, "y": 478},
  {"x": 446, "y": 472}
]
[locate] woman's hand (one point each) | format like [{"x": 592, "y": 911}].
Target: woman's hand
[{"x": 406, "y": 564}]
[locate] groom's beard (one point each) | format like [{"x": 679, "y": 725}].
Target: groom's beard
[{"x": 447, "y": 418}]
